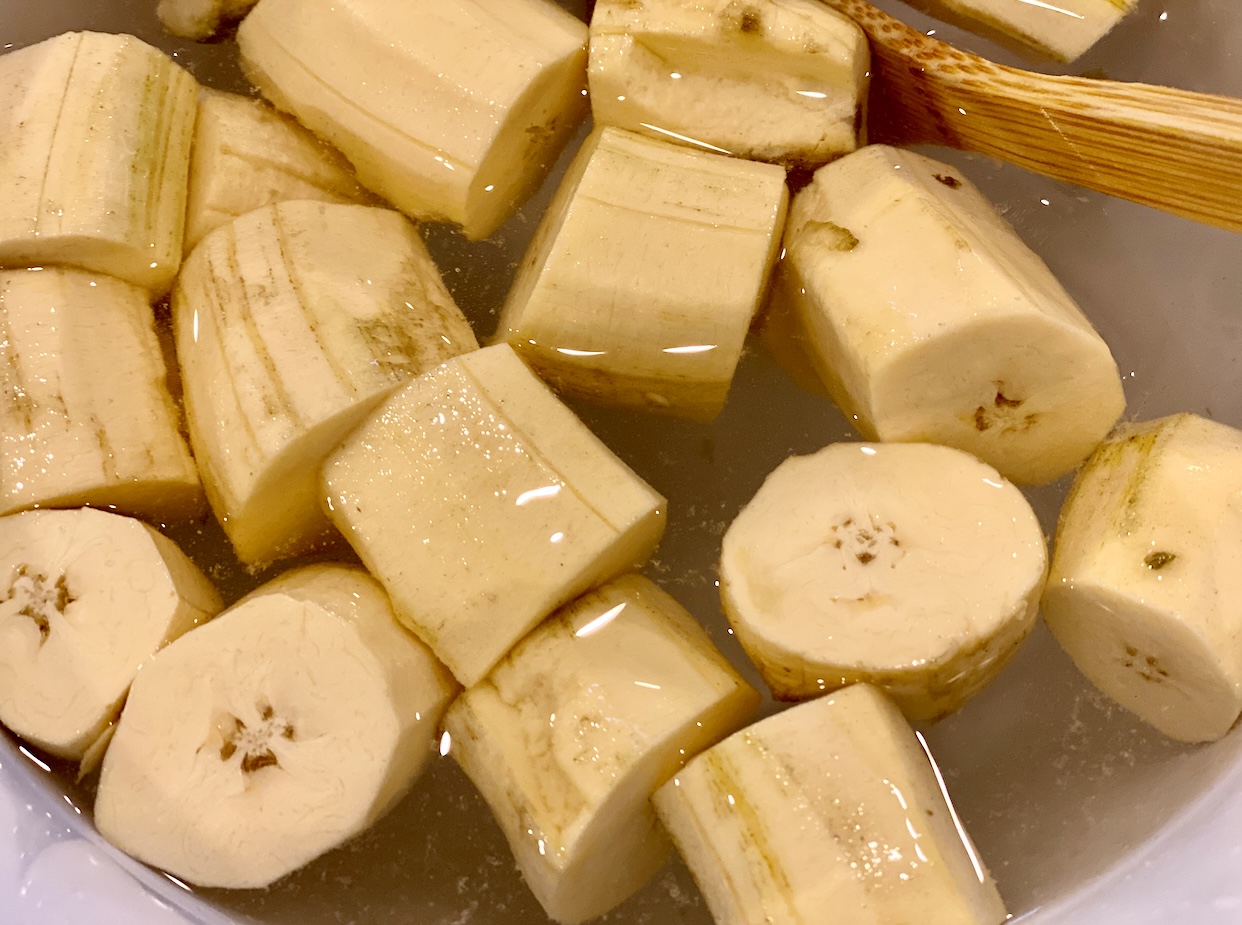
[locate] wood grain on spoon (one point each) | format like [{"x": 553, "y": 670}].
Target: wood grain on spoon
[{"x": 1172, "y": 149}]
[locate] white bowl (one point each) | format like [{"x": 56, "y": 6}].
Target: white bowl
[{"x": 1083, "y": 814}]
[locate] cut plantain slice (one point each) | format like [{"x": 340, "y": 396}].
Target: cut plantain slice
[
  {"x": 832, "y": 811},
  {"x": 929, "y": 320},
  {"x": 914, "y": 567},
  {"x": 573, "y": 730},
  {"x": 1145, "y": 593},
  {"x": 97, "y": 132},
  {"x": 643, "y": 278},
  {"x": 293, "y": 323},
  {"x": 483, "y": 504},
  {"x": 247, "y": 155},
  {"x": 278, "y": 731},
  {"x": 452, "y": 110},
  {"x": 85, "y": 597},
  {"x": 88, "y": 417},
  {"x": 783, "y": 81}
]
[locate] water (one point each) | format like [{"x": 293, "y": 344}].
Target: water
[{"x": 1055, "y": 784}]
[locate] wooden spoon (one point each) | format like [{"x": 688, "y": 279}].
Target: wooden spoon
[{"x": 1173, "y": 149}]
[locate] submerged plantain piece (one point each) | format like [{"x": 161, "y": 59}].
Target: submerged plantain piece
[
  {"x": 247, "y": 155},
  {"x": 482, "y": 503},
  {"x": 928, "y": 319},
  {"x": 570, "y": 733},
  {"x": 1064, "y": 30},
  {"x": 769, "y": 80},
  {"x": 97, "y": 131},
  {"x": 832, "y": 805},
  {"x": 88, "y": 417},
  {"x": 279, "y": 730},
  {"x": 452, "y": 110},
  {"x": 913, "y": 567},
  {"x": 1146, "y": 582},
  {"x": 85, "y": 597},
  {"x": 645, "y": 273},
  {"x": 292, "y": 324}
]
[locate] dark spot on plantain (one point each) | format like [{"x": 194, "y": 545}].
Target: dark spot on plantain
[
  {"x": 831, "y": 235},
  {"x": 42, "y": 598},
  {"x": 751, "y": 21},
  {"x": 1158, "y": 560}
]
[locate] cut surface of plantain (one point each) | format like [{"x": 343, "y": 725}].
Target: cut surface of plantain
[
  {"x": 292, "y": 324},
  {"x": 247, "y": 155},
  {"x": 769, "y": 80},
  {"x": 642, "y": 280},
  {"x": 571, "y": 732},
  {"x": 97, "y": 131},
  {"x": 1064, "y": 30},
  {"x": 200, "y": 19},
  {"x": 88, "y": 418},
  {"x": 1146, "y": 582},
  {"x": 452, "y": 110},
  {"x": 910, "y": 566},
  {"x": 830, "y": 811},
  {"x": 85, "y": 597},
  {"x": 928, "y": 319},
  {"x": 482, "y": 504},
  {"x": 276, "y": 732}
]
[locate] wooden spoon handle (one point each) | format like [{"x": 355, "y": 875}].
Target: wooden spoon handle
[{"x": 1172, "y": 149}]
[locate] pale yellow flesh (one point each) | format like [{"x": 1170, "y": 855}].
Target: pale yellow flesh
[
  {"x": 642, "y": 281},
  {"x": 1064, "y": 29},
  {"x": 833, "y": 805},
  {"x": 1143, "y": 589},
  {"x": 90, "y": 420},
  {"x": 377, "y": 80},
  {"x": 914, "y": 567},
  {"x": 292, "y": 324},
  {"x": 483, "y": 504},
  {"x": 771, "y": 80},
  {"x": 930, "y": 320},
  {"x": 274, "y": 733},
  {"x": 572, "y": 731},
  {"x": 85, "y": 597},
  {"x": 247, "y": 155},
  {"x": 97, "y": 131}
]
